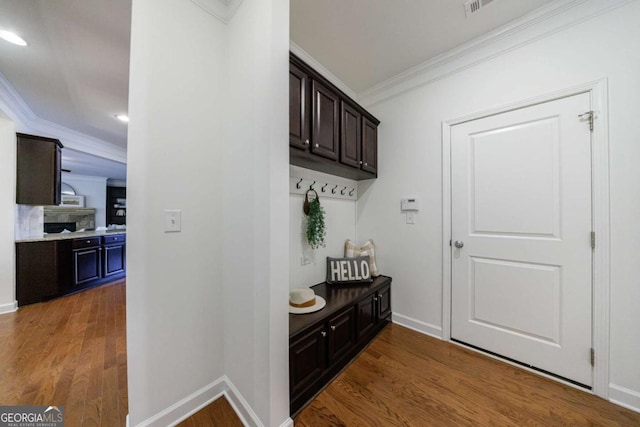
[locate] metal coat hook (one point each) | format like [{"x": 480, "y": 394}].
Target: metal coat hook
[
  {"x": 311, "y": 186},
  {"x": 351, "y": 192},
  {"x": 333, "y": 190},
  {"x": 323, "y": 187},
  {"x": 298, "y": 184},
  {"x": 343, "y": 190}
]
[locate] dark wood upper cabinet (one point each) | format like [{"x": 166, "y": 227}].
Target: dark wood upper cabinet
[
  {"x": 328, "y": 131},
  {"x": 325, "y": 121},
  {"x": 369, "y": 146},
  {"x": 350, "y": 151},
  {"x": 38, "y": 178},
  {"x": 299, "y": 117}
]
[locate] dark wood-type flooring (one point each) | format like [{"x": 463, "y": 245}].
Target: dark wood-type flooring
[
  {"x": 217, "y": 414},
  {"x": 70, "y": 351},
  {"x": 405, "y": 378}
]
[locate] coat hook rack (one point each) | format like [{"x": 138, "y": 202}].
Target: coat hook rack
[
  {"x": 298, "y": 184},
  {"x": 311, "y": 186},
  {"x": 343, "y": 190},
  {"x": 333, "y": 190},
  {"x": 351, "y": 192},
  {"x": 324, "y": 186}
]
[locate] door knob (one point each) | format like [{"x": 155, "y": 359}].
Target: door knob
[{"x": 459, "y": 244}]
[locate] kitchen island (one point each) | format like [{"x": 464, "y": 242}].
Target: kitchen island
[{"x": 59, "y": 264}]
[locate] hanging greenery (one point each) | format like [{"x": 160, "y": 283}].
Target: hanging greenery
[{"x": 316, "y": 231}]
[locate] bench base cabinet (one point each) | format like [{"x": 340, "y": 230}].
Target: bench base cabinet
[{"x": 323, "y": 343}]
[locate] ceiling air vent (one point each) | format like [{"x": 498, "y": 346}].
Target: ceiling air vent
[{"x": 472, "y": 6}]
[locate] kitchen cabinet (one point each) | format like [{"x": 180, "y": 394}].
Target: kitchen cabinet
[
  {"x": 328, "y": 131},
  {"x": 116, "y": 211},
  {"x": 114, "y": 255},
  {"x": 321, "y": 344},
  {"x": 51, "y": 268},
  {"x": 39, "y": 169},
  {"x": 43, "y": 270},
  {"x": 87, "y": 260}
]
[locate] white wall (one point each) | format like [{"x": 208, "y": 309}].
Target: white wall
[
  {"x": 94, "y": 190},
  {"x": 174, "y": 280},
  {"x": 410, "y": 165},
  {"x": 208, "y": 108},
  {"x": 256, "y": 219},
  {"x": 340, "y": 222},
  {"x": 7, "y": 215}
]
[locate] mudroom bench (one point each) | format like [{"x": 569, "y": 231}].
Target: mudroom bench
[{"x": 323, "y": 343}]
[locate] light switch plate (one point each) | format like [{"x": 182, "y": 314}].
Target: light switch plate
[
  {"x": 172, "y": 221},
  {"x": 411, "y": 217}
]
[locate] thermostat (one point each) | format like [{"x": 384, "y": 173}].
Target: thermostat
[{"x": 409, "y": 204}]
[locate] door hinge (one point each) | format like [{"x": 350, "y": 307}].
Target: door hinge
[
  {"x": 449, "y": 242},
  {"x": 590, "y": 118},
  {"x": 593, "y": 240},
  {"x": 593, "y": 357}
]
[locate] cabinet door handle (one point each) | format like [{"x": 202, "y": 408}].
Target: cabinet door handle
[
  {"x": 360, "y": 162},
  {"x": 333, "y": 328},
  {"x": 88, "y": 241},
  {"x": 366, "y": 164},
  {"x": 324, "y": 334},
  {"x": 306, "y": 142},
  {"x": 317, "y": 146},
  {"x": 375, "y": 298}
]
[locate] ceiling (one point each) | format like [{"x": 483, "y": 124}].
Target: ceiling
[
  {"x": 75, "y": 70},
  {"x": 365, "y": 42}
]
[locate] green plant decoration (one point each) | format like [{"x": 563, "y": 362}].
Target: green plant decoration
[{"x": 316, "y": 231}]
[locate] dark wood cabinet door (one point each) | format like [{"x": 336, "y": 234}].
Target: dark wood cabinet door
[
  {"x": 307, "y": 359},
  {"x": 299, "y": 118},
  {"x": 38, "y": 180},
  {"x": 341, "y": 334},
  {"x": 369, "y": 146},
  {"x": 325, "y": 138},
  {"x": 366, "y": 315},
  {"x": 384, "y": 302},
  {"x": 114, "y": 260},
  {"x": 86, "y": 265},
  {"x": 350, "y": 126}
]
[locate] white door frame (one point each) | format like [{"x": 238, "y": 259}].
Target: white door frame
[{"x": 598, "y": 91}]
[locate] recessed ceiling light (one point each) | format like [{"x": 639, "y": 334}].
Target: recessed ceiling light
[
  {"x": 13, "y": 38},
  {"x": 122, "y": 118}
]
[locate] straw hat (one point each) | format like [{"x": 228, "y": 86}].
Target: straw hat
[{"x": 304, "y": 300}]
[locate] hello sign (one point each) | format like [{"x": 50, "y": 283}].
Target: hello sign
[{"x": 348, "y": 270}]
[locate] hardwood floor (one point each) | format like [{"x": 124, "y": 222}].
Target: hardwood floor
[
  {"x": 218, "y": 414},
  {"x": 71, "y": 352},
  {"x": 408, "y": 379}
]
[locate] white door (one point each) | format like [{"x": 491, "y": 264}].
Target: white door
[{"x": 521, "y": 212}]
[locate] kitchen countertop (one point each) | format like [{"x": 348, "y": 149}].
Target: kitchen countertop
[{"x": 74, "y": 235}]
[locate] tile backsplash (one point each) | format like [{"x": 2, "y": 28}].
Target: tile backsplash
[
  {"x": 83, "y": 217},
  {"x": 29, "y": 221}
]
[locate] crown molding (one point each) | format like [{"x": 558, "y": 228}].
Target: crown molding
[
  {"x": 321, "y": 69},
  {"x": 25, "y": 120},
  {"x": 542, "y": 22},
  {"x": 223, "y": 10}
]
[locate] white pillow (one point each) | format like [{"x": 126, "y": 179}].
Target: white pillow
[{"x": 368, "y": 248}]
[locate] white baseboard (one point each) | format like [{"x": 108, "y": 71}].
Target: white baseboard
[
  {"x": 191, "y": 404},
  {"x": 9, "y": 308},
  {"x": 417, "y": 325},
  {"x": 287, "y": 423},
  {"x": 624, "y": 397}
]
